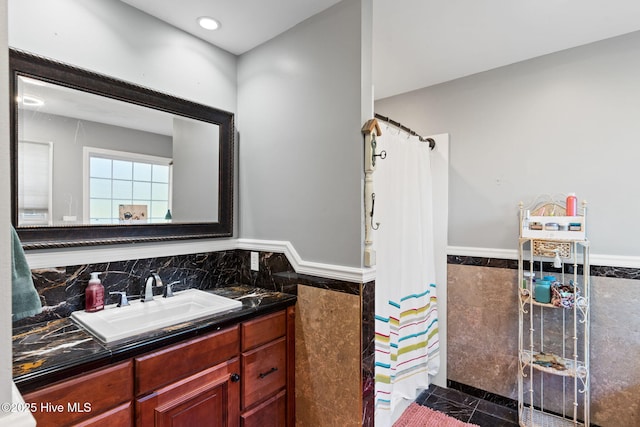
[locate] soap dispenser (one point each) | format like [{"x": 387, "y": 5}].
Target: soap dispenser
[{"x": 94, "y": 294}]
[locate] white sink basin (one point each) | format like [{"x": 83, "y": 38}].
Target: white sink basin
[{"x": 117, "y": 323}]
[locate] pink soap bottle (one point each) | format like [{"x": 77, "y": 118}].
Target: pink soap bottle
[
  {"x": 94, "y": 294},
  {"x": 572, "y": 204}
]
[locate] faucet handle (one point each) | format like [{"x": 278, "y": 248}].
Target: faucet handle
[
  {"x": 122, "y": 301},
  {"x": 168, "y": 289},
  {"x": 156, "y": 278}
]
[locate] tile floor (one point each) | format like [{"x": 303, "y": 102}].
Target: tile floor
[{"x": 468, "y": 408}]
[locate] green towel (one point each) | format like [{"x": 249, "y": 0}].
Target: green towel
[{"x": 25, "y": 298}]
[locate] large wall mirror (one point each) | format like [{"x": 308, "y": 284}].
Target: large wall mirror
[{"x": 96, "y": 160}]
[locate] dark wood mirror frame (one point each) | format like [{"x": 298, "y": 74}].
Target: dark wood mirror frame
[{"x": 43, "y": 237}]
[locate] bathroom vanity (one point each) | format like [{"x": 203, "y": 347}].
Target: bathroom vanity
[{"x": 234, "y": 369}]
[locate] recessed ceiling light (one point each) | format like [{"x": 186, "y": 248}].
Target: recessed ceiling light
[{"x": 208, "y": 23}]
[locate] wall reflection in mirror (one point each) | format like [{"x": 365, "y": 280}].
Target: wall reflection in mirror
[{"x": 88, "y": 159}]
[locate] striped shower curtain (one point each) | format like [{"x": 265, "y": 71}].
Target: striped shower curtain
[{"x": 406, "y": 320}]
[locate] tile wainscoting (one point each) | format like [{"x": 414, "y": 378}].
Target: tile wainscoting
[
  {"x": 482, "y": 317},
  {"x": 482, "y": 321}
]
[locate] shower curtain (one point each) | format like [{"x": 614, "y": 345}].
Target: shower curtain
[{"x": 406, "y": 317}]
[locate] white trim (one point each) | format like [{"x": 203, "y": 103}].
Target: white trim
[
  {"x": 48, "y": 258},
  {"x": 124, "y": 155},
  {"x": 330, "y": 271},
  {"x": 625, "y": 261},
  {"x": 482, "y": 252},
  {"x": 615, "y": 260},
  {"x": 17, "y": 418}
]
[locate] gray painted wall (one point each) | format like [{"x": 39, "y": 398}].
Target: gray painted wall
[
  {"x": 195, "y": 149},
  {"x": 69, "y": 136},
  {"x": 113, "y": 38},
  {"x": 299, "y": 118},
  {"x": 565, "y": 122},
  {"x": 305, "y": 96}
]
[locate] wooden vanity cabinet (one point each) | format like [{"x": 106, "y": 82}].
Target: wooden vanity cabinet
[
  {"x": 239, "y": 376},
  {"x": 102, "y": 397}
]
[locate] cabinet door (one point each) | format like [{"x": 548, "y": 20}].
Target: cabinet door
[{"x": 210, "y": 397}]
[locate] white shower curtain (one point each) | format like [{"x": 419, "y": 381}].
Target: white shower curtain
[{"x": 406, "y": 320}]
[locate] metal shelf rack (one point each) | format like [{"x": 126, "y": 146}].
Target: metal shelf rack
[{"x": 553, "y": 342}]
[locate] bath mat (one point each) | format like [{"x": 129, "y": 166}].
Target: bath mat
[{"x": 421, "y": 416}]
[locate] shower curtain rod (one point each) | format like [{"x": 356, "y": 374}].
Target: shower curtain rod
[{"x": 431, "y": 141}]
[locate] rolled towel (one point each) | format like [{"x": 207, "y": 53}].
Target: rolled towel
[{"x": 25, "y": 298}]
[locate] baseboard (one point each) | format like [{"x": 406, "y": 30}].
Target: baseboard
[{"x": 483, "y": 394}]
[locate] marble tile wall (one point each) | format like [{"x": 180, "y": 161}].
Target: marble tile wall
[
  {"x": 482, "y": 328},
  {"x": 615, "y": 346},
  {"x": 483, "y": 335},
  {"x": 482, "y": 317},
  {"x": 276, "y": 273},
  {"x": 327, "y": 358},
  {"x": 61, "y": 290},
  {"x": 368, "y": 353}
]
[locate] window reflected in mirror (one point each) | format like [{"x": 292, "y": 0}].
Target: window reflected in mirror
[
  {"x": 34, "y": 182},
  {"x": 126, "y": 188}
]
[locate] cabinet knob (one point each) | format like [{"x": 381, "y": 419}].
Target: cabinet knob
[{"x": 235, "y": 378}]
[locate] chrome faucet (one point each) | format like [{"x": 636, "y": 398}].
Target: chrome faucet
[
  {"x": 168, "y": 289},
  {"x": 123, "y": 300},
  {"x": 152, "y": 281}
]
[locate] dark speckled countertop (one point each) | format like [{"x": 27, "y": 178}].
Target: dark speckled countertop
[{"x": 58, "y": 349}]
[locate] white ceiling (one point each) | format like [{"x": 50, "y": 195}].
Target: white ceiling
[
  {"x": 64, "y": 101},
  {"x": 244, "y": 23},
  {"x": 419, "y": 43}
]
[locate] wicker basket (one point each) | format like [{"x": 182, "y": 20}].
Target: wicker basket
[{"x": 548, "y": 249}]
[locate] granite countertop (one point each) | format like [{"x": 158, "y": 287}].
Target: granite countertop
[{"x": 58, "y": 349}]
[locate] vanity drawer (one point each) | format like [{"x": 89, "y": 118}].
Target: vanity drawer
[
  {"x": 170, "y": 364},
  {"x": 271, "y": 412},
  {"x": 82, "y": 397},
  {"x": 120, "y": 416},
  {"x": 261, "y": 331},
  {"x": 264, "y": 372}
]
